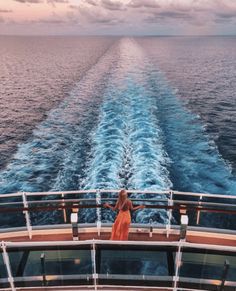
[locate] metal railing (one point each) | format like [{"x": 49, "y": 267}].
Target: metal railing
[
  {"x": 174, "y": 279},
  {"x": 29, "y": 203}
]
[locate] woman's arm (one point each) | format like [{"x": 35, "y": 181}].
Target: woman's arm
[
  {"x": 107, "y": 205},
  {"x": 136, "y": 207}
]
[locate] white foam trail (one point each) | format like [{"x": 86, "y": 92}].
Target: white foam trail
[{"x": 128, "y": 139}]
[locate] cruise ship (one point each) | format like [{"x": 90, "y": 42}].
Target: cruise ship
[{"x": 194, "y": 249}]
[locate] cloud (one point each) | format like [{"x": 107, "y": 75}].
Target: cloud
[
  {"x": 192, "y": 12},
  {"x": 112, "y": 5},
  {"x": 57, "y": 19},
  {"x": 53, "y": 2},
  {"x": 225, "y": 11},
  {"x": 225, "y": 17},
  {"x": 5, "y": 11},
  {"x": 135, "y": 15},
  {"x": 93, "y": 2},
  {"x": 102, "y": 12},
  {"x": 168, "y": 15},
  {"x": 30, "y": 1},
  {"x": 74, "y": 7},
  {"x": 100, "y": 15},
  {"x": 143, "y": 4}
]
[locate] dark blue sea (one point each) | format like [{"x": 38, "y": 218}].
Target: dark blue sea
[{"x": 106, "y": 112}]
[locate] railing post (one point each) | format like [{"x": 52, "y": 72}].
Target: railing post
[
  {"x": 150, "y": 228},
  {"x": 63, "y": 209},
  {"x": 74, "y": 224},
  {"x": 224, "y": 275},
  {"x": 183, "y": 227},
  {"x": 93, "y": 257},
  {"x": 178, "y": 261},
  {"x": 198, "y": 211},
  {"x": 98, "y": 209},
  {"x": 8, "y": 266},
  {"x": 99, "y": 225},
  {"x": 170, "y": 203},
  {"x": 43, "y": 269},
  {"x": 27, "y": 216}
]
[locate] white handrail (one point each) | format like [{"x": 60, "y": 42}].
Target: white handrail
[
  {"x": 179, "y": 245},
  {"x": 94, "y": 191},
  {"x": 125, "y": 243}
]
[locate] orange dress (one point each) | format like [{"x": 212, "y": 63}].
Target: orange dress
[{"x": 120, "y": 228}]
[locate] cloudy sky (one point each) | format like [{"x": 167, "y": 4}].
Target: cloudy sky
[{"x": 125, "y": 17}]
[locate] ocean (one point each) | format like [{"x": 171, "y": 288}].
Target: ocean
[{"x": 107, "y": 112}]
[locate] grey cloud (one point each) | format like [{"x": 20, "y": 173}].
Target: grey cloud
[
  {"x": 173, "y": 14},
  {"x": 143, "y": 4},
  {"x": 99, "y": 16},
  {"x": 193, "y": 12},
  {"x": 74, "y": 7},
  {"x": 92, "y": 2},
  {"x": 51, "y": 21},
  {"x": 53, "y": 2},
  {"x": 55, "y": 19},
  {"x": 226, "y": 15},
  {"x": 107, "y": 4},
  {"x": 112, "y": 5},
  {"x": 166, "y": 16}
]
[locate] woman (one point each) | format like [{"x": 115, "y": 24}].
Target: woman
[{"x": 120, "y": 228}]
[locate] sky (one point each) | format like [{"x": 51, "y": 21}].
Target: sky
[{"x": 118, "y": 17}]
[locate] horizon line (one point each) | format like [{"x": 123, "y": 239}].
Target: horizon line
[{"x": 124, "y": 35}]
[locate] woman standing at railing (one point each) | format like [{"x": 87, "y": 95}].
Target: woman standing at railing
[{"x": 120, "y": 228}]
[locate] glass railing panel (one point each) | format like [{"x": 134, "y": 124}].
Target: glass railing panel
[
  {"x": 45, "y": 210},
  {"x": 47, "y": 217},
  {"x": 107, "y": 215},
  {"x": 148, "y": 266},
  {"x": 11, "y": 219},
  {"x": 207, "y": 265},
  {"x": 212, "y": 216},
  {"x": 3, "y": 274},
  {"x": 51, "y": 265},
  {"x": 218, "y": 220},
  {"x": 134, "y": 263},
  {"x": 87, "y": 215}
]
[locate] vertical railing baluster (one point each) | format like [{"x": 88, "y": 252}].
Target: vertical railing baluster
[
  {"x": 170, "y": 203},
  {"x": 224, "y": 275},
  {"x": 178, "y": 261},
  {"x": 93, "y": 257},
  {"x": 27, "y": 216},
  {"x": 63, "y": 207},
  {"x": 199, "y": 211},
  {"x": 8, "y": 266},
  {"x": 98, "y": 209},
  {"x": 43, "y": 269}
]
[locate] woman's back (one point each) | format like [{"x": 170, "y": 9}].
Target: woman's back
[{"x": 125, "y": 205}]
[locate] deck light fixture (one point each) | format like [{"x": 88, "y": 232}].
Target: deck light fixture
[
  {"x": 151, "y": 227},
  {"x": 74, "y": 224},
  {"x": 183, "y": 227}
]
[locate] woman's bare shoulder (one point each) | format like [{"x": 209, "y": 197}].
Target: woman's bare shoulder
[{"x": 129, "y": 201}]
